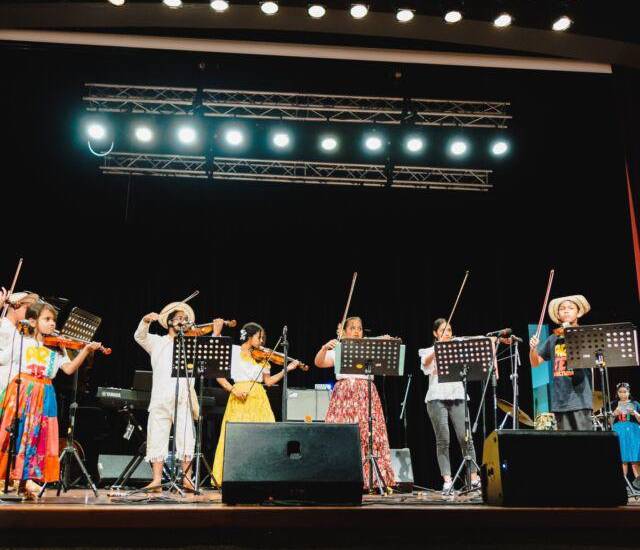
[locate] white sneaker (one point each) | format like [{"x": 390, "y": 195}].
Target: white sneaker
[{"x": 447, "y": 487}]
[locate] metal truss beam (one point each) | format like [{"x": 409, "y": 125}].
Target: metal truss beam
[
  {"x": 296, "y": 172},
  {"x": 296, "y": 107}
]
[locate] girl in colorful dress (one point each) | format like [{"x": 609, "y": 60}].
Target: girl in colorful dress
[
  {"x": 626, "y": 425},
  {"x": 445, "y": 404},
  {"x": 349, "y": 405},
  {"x": 248, "y": 401},
  {"x": 36, "y": 457}
]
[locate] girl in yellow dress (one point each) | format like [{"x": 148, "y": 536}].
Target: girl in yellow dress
[{"x": 248, "y": 400}]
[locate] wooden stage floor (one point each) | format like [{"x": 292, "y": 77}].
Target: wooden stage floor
[{"x": 80, "y": 509}]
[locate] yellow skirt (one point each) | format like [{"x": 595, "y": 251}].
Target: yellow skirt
[{"x": 255, "y": 409}]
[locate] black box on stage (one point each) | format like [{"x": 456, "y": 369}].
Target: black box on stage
[
  {"x": 111, "y": 466},
  {"x": 292, "y": 461},
  {"x": 544, "y": 468}
]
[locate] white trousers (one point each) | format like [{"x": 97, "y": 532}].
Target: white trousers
[{"x": 159, "y": 430}]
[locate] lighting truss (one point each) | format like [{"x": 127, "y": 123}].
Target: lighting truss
[
  {"x": 296, "y": 172},
  {"x": 296, "y": 107}
]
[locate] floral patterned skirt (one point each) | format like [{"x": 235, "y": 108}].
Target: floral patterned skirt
[
  {"x": 37, "y": 438},
  {"x": 349, "y": 405}
]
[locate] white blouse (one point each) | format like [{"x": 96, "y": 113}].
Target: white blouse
[
  {"x": 438, "y": 391},
  {"x": 246, "y": 369}
]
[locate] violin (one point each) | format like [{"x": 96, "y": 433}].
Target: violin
[
  {"x": 70, "y": 343},
  {"x": 207, "y": 328},
  {"x": 263, "y": 354}
]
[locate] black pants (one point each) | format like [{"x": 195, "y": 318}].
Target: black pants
[{"x": 575, "y": 420}]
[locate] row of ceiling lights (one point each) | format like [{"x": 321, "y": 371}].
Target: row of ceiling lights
[{"x": 359, "y": 10}]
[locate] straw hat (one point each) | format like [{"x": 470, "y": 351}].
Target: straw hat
[
  {"x": 18, "y": 297},
  {"x": 175, "y": 306},
  {"x": 578, "y": 299}
]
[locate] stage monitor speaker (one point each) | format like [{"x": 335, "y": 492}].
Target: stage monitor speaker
[
  {"x": 292, "y": 462},
  {"x": 111, "y": 466},
  {"x": 543, "y": 468},
  {"x": 402, "y": 468}
]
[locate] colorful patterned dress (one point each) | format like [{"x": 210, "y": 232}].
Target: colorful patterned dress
[
  {"x": 37, "y": 439},
  {"x": 349, "y": 405}
]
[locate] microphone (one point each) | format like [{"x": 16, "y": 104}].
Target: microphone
[
  {"x": 284, "y": 331},
  {"x": 502, "y": 333}
]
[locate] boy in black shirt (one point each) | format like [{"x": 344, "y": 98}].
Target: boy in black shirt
[{"x": 571, "y": 394}]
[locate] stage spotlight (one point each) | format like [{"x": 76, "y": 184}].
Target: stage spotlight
[
  {"x": 358, "y": 11},
  {"x": 234, "y": 137},
  {"x": 453, "y": 16},
  {"x": 373, "y": 143},
  {"x": 187, "y": 135},
  {"x": 562, "y": 23},
  {"x": 172, "y": 3},
  {"x": 281, "y": 140},
  {"x": 500, "y": 148},
  {"x": 316, "y": 11},
  {"x": 269, "y": 8},
  {"x": 404, "y": 15},
  {"x": 219, "y": 6},
  {"x": 503, "y": 20},
  {"x": 117, "y": 2},
  {"x": 414, "y": 144},
  {"x": 458, "y": 147},
  {"x": 144, "y": 134},
  {"x": 329, "y": 143},
  {"x": 96, "y": 131}
]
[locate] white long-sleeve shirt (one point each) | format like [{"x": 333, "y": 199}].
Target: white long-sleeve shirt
[
  {"x": 160, "y": 348},
  {"x": 438, "y": 391}
]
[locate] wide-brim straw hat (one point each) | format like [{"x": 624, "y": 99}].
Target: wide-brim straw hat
[
  {"x": 176, "y": 306},
  {"x": 26, "y": 296},
  {"x": 578, "y": 299}
]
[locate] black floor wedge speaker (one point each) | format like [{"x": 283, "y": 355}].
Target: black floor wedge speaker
[
  {"x": 544, "y": 468},
  {"x": 292, "y": 462}
]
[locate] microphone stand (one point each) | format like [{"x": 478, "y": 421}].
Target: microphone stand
[
  {"x": 403, "y": 411},
  {"x": 285, "y": 351}
]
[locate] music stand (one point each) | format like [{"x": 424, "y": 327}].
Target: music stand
[
  {"x": 465, "y": 360},
  {"x": 370, "y": 356},
  {"x": 80, "y": 325},
  {"x": 605, "y": 346},
  {"x": 211, "y": 356}
]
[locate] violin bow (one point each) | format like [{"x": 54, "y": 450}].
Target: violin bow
[
  {"x": 264, "y": 361},
  {"x": 346, "y": 309},
  {"x": 544, "y": 304},
  {"x": 455, "y": 305},
  {"x": 187, "y": 299},
  {"x": 13, "y": 287}
]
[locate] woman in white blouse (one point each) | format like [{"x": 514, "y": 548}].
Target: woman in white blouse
[{"x": 445, "y": 403}]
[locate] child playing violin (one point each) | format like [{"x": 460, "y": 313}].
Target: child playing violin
[
  {"x": 36, "y": 447},
  {"x": 248, "y": 401},
  {"x": 571, "y": 395}
]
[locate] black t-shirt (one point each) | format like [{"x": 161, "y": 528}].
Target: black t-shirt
[{"x": 570, "y": 390}]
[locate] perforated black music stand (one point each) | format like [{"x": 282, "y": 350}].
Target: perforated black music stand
[
  {"x": 80, "y": 325},
  {"x": 211, "y": 358},
  {"x": 371, "y": 356},
  {"x": 605, "y": 346},
  {"x": 465, "y": 360}
]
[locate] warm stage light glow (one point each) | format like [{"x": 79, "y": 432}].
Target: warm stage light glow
[
  {"x": 172, "y": 3},
  {"x": 329, "y": 143},
  {"x": 219, "y": 5},
  {"x": 317, "y": 11},
  {"x": 503, "y": 20},
  {"x": 269, "y": 8},
  {"x": 373, "y": 143},
  {"x": 281, "y": 140},
  {"x": 562, "y": 23},
  {"x": 453, "y": 16},
  {"x": 117, "y": 2},
  {"x": 404, "y": 15},
  {"x": 358, "y": 11},
  {"x": 415, "y": 144}
]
